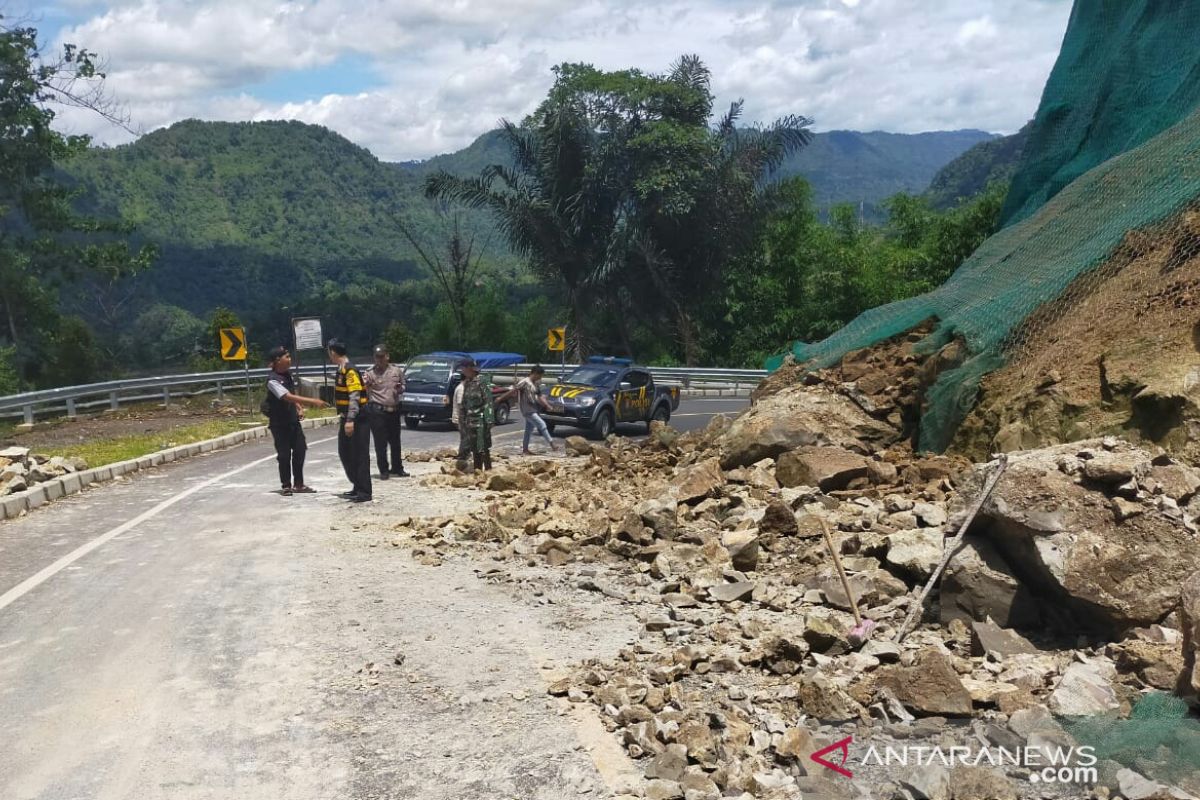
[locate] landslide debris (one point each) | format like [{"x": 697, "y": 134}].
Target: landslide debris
[
  {"x": 1116, "y": 354},
  {"x": 1065, "y": 598},
  {"x": 21, "y": 469}
]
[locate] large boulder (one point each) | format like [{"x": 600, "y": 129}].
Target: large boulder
[
  {"x": 978, "y": 584},
  {"x": 827, "y": 468},
  {"x": 1055, "y": 520},
  {"x": 801, "y": 417},
  {"x": 700, "y": 481}
]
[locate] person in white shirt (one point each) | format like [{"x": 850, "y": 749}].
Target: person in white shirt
[{"x": 529, "y": 397}]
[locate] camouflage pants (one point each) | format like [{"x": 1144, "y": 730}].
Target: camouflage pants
[{"x": 474, "y": 445}]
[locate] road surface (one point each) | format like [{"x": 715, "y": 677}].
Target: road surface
[{"x": 188, "y": 633}]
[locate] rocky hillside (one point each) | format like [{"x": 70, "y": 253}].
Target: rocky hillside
[
  {"x": 1068, "y": 614},
  {"x": 1116, "y": 355}
]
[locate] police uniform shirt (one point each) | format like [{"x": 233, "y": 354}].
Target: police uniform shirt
[{"x": 348, "y": 393}]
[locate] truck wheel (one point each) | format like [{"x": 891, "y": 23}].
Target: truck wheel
[
  {"x": 662, "y": 414},
  {"x": 604, "y": 425},
  {"x": 412, "y": 422},
  {"x": 550, "y": 427},
  {"x": 503, "y": 412}
]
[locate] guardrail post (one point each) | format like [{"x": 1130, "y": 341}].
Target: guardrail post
[
  {"x": 71, "y": 407},
  {"x": 113, "y": 402},
  {"x": 220, "y": 391},
  {"x": 166, "y": 396},
  {"x": 28, "y": 410}
]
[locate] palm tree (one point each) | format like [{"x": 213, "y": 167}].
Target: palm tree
[{"x": 547, "y": 205}]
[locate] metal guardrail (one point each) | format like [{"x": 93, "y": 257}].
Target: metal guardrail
[{"x": 69, "y": 400}]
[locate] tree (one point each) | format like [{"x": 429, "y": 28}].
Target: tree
[
  {"x": 458, "y": 274},
  {"x": 399, "y": 341},
  {"x": 542, "y": 206},
  {"x": 623, "y": 194},
  {"x": 43, "y": 242}
]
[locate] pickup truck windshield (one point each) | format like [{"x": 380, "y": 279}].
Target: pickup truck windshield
[
  {"x": 593, "y": 376},
  {"x": 426, "y": 371}
]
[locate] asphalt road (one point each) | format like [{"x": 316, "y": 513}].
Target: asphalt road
[{"x": 188, "y": 633}]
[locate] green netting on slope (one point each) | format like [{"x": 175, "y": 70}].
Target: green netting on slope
[
  {"x": 1159, "y": 740},
  {"x": 1027, "y": 265},
  {"x": 1128, "y": 70}
]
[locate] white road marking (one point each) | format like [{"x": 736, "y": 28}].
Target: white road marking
[{"x": 31, "y": 583}]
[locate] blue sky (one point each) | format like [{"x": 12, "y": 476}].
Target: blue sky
[{"x": 415, "y": 78}]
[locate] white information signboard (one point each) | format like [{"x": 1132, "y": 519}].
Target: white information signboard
[{"x": 308, "y": 333}]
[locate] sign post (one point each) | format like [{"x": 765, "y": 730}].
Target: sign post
[
  {"x": 233, "y": 348},
  {"x": 306, "y": 335},
  {"x": 556, "y": 341}
]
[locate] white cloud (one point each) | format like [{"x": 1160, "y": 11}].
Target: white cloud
[{"x": 449, "y": 69}]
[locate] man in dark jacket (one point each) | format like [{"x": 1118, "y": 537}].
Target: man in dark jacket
[
  {"x": 285, "y": 409},
  {"x": 354, "y": 432}
]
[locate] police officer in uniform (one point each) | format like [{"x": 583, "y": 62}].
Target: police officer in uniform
[
  {"x": 354, "y": 430},
  {"x": 384, "y": 383}
]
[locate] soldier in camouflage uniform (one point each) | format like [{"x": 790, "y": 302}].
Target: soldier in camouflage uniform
[{"x": 475, "y": 418}]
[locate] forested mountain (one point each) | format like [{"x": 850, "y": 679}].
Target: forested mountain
[
  {"x": 248, "y": 213},
  {"x": 968, "y": 175},
  {"x": 867, "y": 168},
  {"x": 279, "y": 219},
  {"x": 841, "y": 166}
]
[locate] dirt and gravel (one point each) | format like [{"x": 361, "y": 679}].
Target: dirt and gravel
[{"x": 1063, "y": 603}]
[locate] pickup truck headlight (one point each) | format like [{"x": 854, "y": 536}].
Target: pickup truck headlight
[{"x": 587, "y": 402}]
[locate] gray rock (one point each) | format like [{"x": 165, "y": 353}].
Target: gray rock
[
  {"x": 15, "y": 453},
  {"x": 729, "y": 592},
  {"x": 930, "y": 515},
  {"x": 988, "y": 637},
  {"x": 743, "y": 549},
  {"x": 887, "y": 652},
  {"x": 1085, "y": 689},
  {"x": 928, "y": 782},
  {"x": 917, "y": 552},
  {"x": 828, "y": 468},
  {"x": 1133, "y": 786},
  {"x": 799, "y": 417},
  {"x": 979, "y": 584}
]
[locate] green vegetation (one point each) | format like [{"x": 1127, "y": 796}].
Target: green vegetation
[
  {"x": 970, "y": 174},
  {"x": 44, "y": 243},
  {"x": 809, "y": 278},
  {"x": 256, "y": 223},
  {"x": 98, "y": 452},
  {"x": 625, "y": 197}
]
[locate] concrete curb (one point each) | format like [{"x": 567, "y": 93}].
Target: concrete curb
[{"x": 14, "y": 505}]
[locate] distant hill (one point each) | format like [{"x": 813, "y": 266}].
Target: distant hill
[
  {"x": 276, "y": 219},
  {"x": 842, "y": 166},
  {"x": 867, "y": 168},
  {"x": 970, "y": 173}
]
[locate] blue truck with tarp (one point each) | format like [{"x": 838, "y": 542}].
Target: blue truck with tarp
[
  {"x": 605, "y": 392},
  {"x": 430, "y": 381}
]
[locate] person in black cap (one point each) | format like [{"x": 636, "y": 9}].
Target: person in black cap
[
  {"x": 285, "y": 409},
  {"x": 354, "y": 431},
  {"x": 384, "y": 383},
  {"x": 475, "y": 416}
]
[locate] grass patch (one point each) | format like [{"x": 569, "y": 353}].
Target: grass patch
[{"x": 99, "y": 452}]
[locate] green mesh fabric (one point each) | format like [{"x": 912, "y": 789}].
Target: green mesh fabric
[
  {"x": 1128, "y": 70},
  {"x": 1079, "y": 191},
  {"x": 1159, "y": 739}
]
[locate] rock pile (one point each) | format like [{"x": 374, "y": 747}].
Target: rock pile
[
  {"x": 1063, "y": 601},
  {"x": 20, "y": 469}
]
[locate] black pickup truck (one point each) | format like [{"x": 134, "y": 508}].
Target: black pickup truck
[{"x": 606, "y": 392}]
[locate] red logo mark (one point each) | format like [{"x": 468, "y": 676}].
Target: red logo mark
[{"x": 844, "y": 747}]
